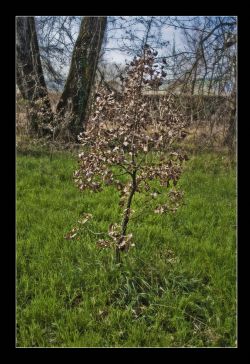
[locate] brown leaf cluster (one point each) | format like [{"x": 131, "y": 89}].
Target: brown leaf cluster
[
  {"x": 121, "y": 133},
  {"x": 122, "y": 138}
]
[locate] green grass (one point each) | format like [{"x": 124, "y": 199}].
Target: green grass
[{"x": 176, "y": 287}]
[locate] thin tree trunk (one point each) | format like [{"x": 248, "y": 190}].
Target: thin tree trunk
[
  {"x": 126, "y": 216},
  {"x": 231, "y": 132},
  {"x": 76, "y": 93},
  {"x": 29, "y": 76}
]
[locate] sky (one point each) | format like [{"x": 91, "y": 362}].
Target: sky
[
  {"x": 117, "y": 38},
  {"x": 117, "y": 56},
  {"x": 113, "y": 41}
]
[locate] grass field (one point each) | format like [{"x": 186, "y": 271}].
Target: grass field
[{"x": 176, "y": 287}]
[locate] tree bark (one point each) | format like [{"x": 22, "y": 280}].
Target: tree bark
[
  {"x": 76, "y": 93},
  {"x": 126, "y": 216},
  {"x": 29, "y": 76},
  {"x": 231, "y": 132}
]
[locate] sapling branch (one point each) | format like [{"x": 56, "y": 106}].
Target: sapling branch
[{"x": 118, "y": 138}]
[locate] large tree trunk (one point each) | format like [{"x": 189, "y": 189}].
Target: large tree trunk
[
  {"x": 30, "y": 78},
  {"x": 76, "y": 93}
]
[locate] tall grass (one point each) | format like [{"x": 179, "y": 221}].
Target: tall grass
[{"x": 176, "y": 287}]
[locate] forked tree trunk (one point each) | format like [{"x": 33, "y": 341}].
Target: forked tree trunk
[
  {"x": 74, "y": 100},
  {"x": 29, "y": 75}
]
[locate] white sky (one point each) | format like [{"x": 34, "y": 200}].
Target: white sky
[{"x": 116, "y": 56}]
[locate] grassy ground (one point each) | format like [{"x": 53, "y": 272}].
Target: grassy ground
[{"x": 177, "y": 286}]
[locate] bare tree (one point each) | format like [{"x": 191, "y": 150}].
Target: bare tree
[
  {"x": 56, "y": 38},
  {"x": 201, "y": 68},
  {"x": 205, "y": 69},
  {"x": 75, "y": 96},
  {"x": 30, "y": 78}
]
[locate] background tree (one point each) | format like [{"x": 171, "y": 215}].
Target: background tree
[
  {"x": 56, "y": 37},
  {"x": 207, "y": 67},
  {"x": 200, "y": 65},
  {"x": 76, "y": 93},
  {"x": 30, "y": 78}
]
